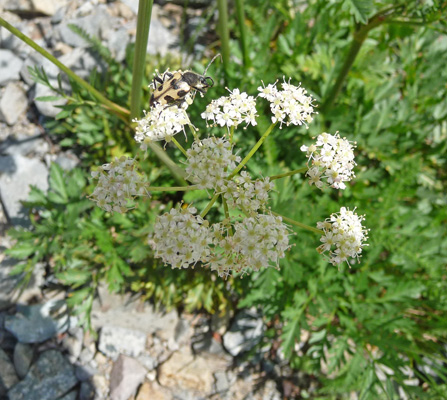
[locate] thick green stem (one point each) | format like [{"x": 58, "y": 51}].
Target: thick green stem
[
  {"x": 120, "y": 111},
  {"x": 252, "y": 151},
  {"x": 299, "y": 224},
  {"x": 139, "y": 61},
  {"x": 243, "y": 32},
  {"x": 227, "y": 214},
  {"x": 357, "y": 41},
  {"x": 224, "y": 33},
  {"x": 290, "y": 173}
]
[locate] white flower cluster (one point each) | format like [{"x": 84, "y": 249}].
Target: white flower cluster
[
  {"x": 210, "y": 161},
  {"x": 232, "y": 110},
  {"x": 118, "y": 182},
  {"x": 290, "y": 105},
  {"x": 182, "y": 238},
  {"x": 344, "y": 236},
  {"x": 332, "y": 158},
  {"x": 161, "y": 123},
  {"x": 258, "y": 242},
  {"x": 247, "y": 194}
]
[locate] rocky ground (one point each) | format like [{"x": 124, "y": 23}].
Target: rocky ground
[{"x": 135, "y": 352}]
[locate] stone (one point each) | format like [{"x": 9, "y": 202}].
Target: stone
[
  {"x": 13, "y": 103},
  {"x": 46, "y": 7},
  {"x": 207, "y": 343},
  {"x": 9, "y": 284},
  {"x": 153, "y": 391},
  {"x": 28, "y": 146},
  {"x": 23, "y": 355},
  {"x": 36, "y": 324},
  {"x": 114, "y": 340},
  {"x": 17, "y": 173},
  {"x": 49, "y": 378},
  {"x": 222, "y": 383},
  {"x": 117, "y": 44},
  {"x": 127, "y": 312},
  {"x": 245, "y": 332},
  {"x": 10, "y": 66},
  {"x": 127, "y": 374},
  {"x": 220, "y": 322},
  {"x": 73, "y": 395},
  {"x": 184, "y": 371},
  {"x": 8, "y": 376},
  {"x": 72, "y": 342},
  {"x": 67, "y": 160},
  {"x": 87, "y": 391},
  {"x": 93, "y": 24},
  {"x": 161, "y": 40},
  {"x": 150, "y": 363}
]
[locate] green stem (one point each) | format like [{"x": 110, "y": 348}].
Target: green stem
[
  {"x": 243, "y": 32},
  {"x": 120, "y": 111},
  {"x": 231, "y": 134},
  {"x": 193, "y": 131},
  {"x": 224, "y": 33},
  {"x": 357, "y": 41},
  {"x": 227, "y": 213},
  {"x": 208, "y": 207},
  {"x": 252, "y": 151},
  {"x": 299, "y": 224},
  {"x": 179, "y": 146},
  {"x": 290, "y": 173},
  {"x": 178, "y": 173},
  {"x": 139, "y": 61},
  {"x": 172, "y": 188}
]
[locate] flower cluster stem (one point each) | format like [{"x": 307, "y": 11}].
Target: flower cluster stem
[
  {"x": 210, "y": 204},
  {"x": 290, "y": 173},
  {"x": 224, "y": 32},
  {"x": 179, "y": 146},
  {"x": 171, "y": 188},
  {"x": 252, "y": 151},
  {"x": 299, "y": 224}
]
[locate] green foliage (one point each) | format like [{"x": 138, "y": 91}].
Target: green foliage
[{"x": 364, "y": 329}]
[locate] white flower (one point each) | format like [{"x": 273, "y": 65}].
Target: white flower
[
  {"x": 344, "y": 236},
  {"x": 290, "y": 105},
  {"x": 333, "y": 159},
  {"x": 232, "y": 110},
  {"x": 160, "y": 123},
  {"x": 210, "y": 161},
  {"x": 246, "y": 194},
  {"x": 258, "y": 242},
  {"x": 181, "y": 238},
  {"x": 118, "y": 182}
]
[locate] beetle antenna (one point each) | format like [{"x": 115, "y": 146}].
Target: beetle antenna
[{"x": 217, "y": 55}]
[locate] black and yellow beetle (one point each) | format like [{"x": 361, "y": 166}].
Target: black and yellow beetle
[{"x": 173, "y": 87}]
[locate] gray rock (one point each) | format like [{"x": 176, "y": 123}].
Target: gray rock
[
  {"x": 33, "y": 59},
  {"x": 48, "y": 379},
  {"x": 35, "y": 324},
  {"x": 93, "y": 24},
  {"x": 85, "y": 372},
  {"x": 10, "y": 66},
  {"x": 23, "y": 355},
  {"x": 127, "y": 374},
  {"x": 16, "y": 174},
  {"x": 67, "y": 160},
  {"x": 12, "y": 103},
  {"x": 46, "y": 7},
  {"x": 150, "y": 363},
  {"x": 245, "y": 332},
  {"x": 8, "y": 376},
  {"x": 87, "y": 391},
  {"x": 206, "y": 343},
  {"x": 115, "y": 340},
  {"x": 72, "y": 342},
  {"x": 221, "y": 384},
  {"x": 73, "y": 395},
  {"x": 117, "y": 44},
  {"x": 9, "y": 285},
  {"x": 161, "y": 40},
  {"x": 30, "y": 146}
]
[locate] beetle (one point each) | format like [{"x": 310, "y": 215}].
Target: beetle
[{"x": 173, "y": 88}]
